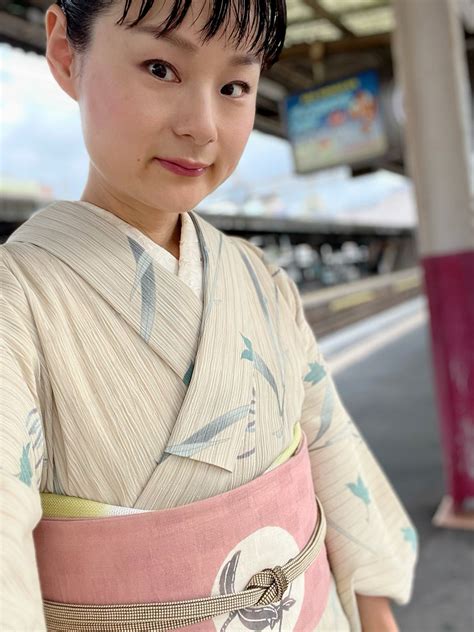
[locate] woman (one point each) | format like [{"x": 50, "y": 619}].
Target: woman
[{"x": 167, "y": 412}]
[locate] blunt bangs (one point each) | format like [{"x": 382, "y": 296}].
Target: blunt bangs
[{"x": 259, "y": 23}]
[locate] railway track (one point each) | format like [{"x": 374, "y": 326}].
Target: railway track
[{"x": 331, "y": 309}]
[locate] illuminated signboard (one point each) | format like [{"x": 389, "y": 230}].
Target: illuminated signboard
[{"x": 338, "y": 123}]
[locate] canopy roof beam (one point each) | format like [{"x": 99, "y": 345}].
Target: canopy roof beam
[{"x": 320, "y": 12}]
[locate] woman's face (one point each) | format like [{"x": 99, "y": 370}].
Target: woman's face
[{"x": 143, "y": 99}]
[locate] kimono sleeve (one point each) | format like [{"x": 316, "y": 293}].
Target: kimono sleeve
[
  {"x": 371, "y": 542},
  {"x": 22, "y": 449}
]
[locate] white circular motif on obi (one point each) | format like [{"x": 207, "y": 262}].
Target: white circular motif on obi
[{"x": 266, "y": 548}]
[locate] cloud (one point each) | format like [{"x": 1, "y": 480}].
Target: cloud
[{"x": 40, "y": 131}]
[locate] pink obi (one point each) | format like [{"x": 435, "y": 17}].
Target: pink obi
[{"x": 207, "y": 548}]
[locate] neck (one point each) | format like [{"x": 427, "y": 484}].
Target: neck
[{"x": 162, "y": 228}]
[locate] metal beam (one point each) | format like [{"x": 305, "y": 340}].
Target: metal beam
[
  {"x": 346, "y": 45},
  {"x": 338, "y": 13},
  {"x": 330, "y": 17}
]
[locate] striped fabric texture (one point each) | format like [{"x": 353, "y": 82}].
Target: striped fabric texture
[{"x": 135, "y": 382}]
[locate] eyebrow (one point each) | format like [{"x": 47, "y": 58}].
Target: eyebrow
[{"x": 183, "y": 43}]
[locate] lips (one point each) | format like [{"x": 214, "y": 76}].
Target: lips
[
  {"x": 185, "y": 164},
  {"x": 182, "y": 168}
]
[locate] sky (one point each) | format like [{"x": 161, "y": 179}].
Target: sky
[{"x": 41, "y": 140}]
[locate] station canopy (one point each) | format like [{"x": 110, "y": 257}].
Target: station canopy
[{"x": 326, "y": 40}]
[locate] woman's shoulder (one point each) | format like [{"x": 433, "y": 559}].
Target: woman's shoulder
[{"x": 23, "y": 261}]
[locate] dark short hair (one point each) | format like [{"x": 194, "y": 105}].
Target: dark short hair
[{"x": 266, "y": 32}]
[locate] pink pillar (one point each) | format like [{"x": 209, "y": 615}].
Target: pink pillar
[
  {"x": 449, "y": 282},
  {"x": 432, "y": 69}
]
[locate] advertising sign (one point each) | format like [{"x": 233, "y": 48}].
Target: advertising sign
[{"x": 338, "y": 123}]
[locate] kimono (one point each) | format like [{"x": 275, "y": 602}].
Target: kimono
[{"x": 134, "y": 382}]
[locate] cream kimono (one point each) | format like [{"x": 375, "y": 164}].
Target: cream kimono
[{"x": 136, "y": 382}]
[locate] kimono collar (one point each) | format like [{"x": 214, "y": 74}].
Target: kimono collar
[{"x": 208, "y": 346}]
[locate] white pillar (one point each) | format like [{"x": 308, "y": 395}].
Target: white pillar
[{"x": 431, "y": 67}]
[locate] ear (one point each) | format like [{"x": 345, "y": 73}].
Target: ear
[{"x": 61, "y": 57}]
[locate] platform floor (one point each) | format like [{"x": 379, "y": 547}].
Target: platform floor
[{"x": 382, "y": 368}]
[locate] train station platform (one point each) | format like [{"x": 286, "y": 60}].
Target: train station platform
[{"x": 382, "y": 368}]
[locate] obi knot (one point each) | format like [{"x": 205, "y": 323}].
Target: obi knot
[{"x": 273, "y": 580}]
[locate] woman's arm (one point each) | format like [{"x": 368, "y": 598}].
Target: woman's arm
[
  {"x": 21, "y": 457},
  {"x": 376, "y": 614}
]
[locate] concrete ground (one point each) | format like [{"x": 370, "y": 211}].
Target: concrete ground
[{"x": 389, "y": 393}]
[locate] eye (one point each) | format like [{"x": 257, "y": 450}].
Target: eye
[
  {"x": 160, "y": 69},
  {"x": 244, "y": 88}
]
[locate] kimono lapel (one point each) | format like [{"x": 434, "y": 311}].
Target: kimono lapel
[
  {"x": 162, "y": 309},
  {"x": 214, "y": 414},
  {"x": 210, "y": 346}
]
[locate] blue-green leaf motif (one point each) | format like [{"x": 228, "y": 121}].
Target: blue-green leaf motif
[
  {"x": 247, "y": 354},
  {"x": 261, "y": 366},
  {"x": 327, "y": 411},
  {"x": 274, "y": 338},
  {"x": 410, "y": 536},
  {"x": 145, "y": 277},
  {"x": 189, "y": 373},
  {"x": 316, "y": 373},
  {"x": 203, "y": 437},
  {"x": 148, "y": 303},
  {"x": 26, "y": 471},
  {"x": 35, "y": 431},
  {"x": 360, "y": 490},
  {"x": 263, "y": 369},
  {"x": 261, "y": 297}
]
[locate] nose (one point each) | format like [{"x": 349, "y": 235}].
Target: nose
[{"x": 195, "y": 117}]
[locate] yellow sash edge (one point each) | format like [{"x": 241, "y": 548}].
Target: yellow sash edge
[{"x": 61, "y": 506}]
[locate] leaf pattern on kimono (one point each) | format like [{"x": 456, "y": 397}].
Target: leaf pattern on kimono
[
  {"x": 344, "y": 433},
  {"x": 410, "y": 536},
  {"x": 316, "y": 373},
  {"x": 248, "y": 448},
  {"x": 203, "y": 437},
  {"x": 273, "y": 337},
  {"x": 349, "y": 536},
  {"x": 261, "y": 366},
  {"x": 263, "y": 369},
  {"x": 361, "y": 491},
  {"x": 145, "y": 277},
  {"x": 245, "y": 455},
  {"x": 26, "y": 472},
  {"x": 247, "y": 354},
  {"x": 217, "y": 267},
  {"x": 189, "y": 373},
  {"x": 189, "y": 449},
  {"x": 148, "y": 303},
  {"x": 34, "y": 427},
  {"x": 327, "y": 411},
  {"x": 262, "y": 299}
]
